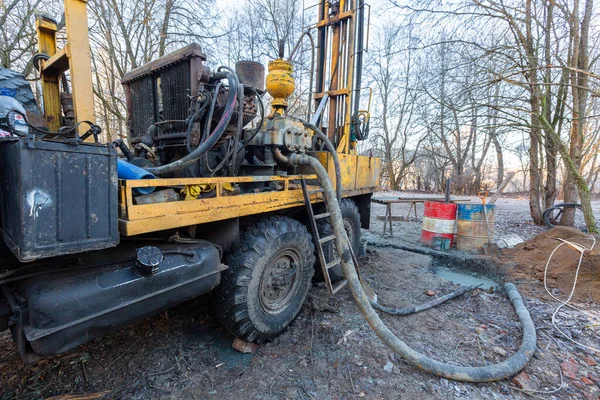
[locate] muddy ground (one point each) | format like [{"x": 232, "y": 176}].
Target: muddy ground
[{"x": 328, "y": 352}]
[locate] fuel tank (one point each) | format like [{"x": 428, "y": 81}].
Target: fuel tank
[{"x": 60, "y": 311}]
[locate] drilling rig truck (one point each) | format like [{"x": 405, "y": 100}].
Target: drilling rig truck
[{"x": 97, "y": 234}]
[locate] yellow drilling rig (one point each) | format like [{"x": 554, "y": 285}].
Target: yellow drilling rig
[{"x": 99, "y": 235}]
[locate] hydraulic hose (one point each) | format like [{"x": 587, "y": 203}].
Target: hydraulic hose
[
  {"x": 502, "y": 370},
  {"x": 211, "y": 140},
  {"x": 425, "y": 306},
  {"x": 312, "y": 65},
  {"x": 200, "y": 108}
]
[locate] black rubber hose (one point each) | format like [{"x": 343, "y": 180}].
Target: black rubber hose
[
  {"x": 502, "y": 370},
  {"x": 238, "y": 131},
  {"x": 312, "y": 66},
  {"x": 124, "y": 149},
  {"x": 210, "y": 141},
  {"x": 200, "y": 108},
  {"x": 423, "y": 307},
  {"x": 560, "y": 206},
  {"x": 213, "y": 104}
]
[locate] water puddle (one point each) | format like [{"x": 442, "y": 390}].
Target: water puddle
[{"x": 464, "y": 279}]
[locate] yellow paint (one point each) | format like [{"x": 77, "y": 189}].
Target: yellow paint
[
  {"x": 155, "y": 217},
  {"x": 76, "y": 58},
  {"x": 46, "y": 33},
  {"x": 368, "y": 170},
  {"x": 80, "y": 62},
  {"x": 280, "y": 83},
  {"x": 360, "y": 175}
]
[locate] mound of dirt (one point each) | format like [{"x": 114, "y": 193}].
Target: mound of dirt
[{"x": 533, "y": 255}]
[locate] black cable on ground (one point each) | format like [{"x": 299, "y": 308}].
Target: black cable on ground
[
  {"x": 423, "y": 307},
  {"x": 502, "y": 370},
  {"x": 560, "y": 206}
]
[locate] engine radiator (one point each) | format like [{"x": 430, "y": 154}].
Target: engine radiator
[{"x": 160, "y": 90}]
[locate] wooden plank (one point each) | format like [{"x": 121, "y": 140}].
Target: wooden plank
[{"x": 394, "y": 218}]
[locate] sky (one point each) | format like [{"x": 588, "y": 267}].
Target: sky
[{"x": 380, "y": 14}]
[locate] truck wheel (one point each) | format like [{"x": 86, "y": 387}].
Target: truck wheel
[
  {"x": 351, "y": 219},
  {"x": 13, "y": 81},
  {"x": 268, "y": 278}
]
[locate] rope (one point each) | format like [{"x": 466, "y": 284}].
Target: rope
[{"x": 581, "y": 249}]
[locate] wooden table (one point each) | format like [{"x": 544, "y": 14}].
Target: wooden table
[{"x": 413, "y": 201}]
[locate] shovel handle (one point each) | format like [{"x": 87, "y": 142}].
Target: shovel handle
[{"x": 483, "y": 195}]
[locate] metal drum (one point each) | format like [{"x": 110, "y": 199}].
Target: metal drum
[
  {"x": 439, "y": 220},
  {"x": 472, "y": 233}
]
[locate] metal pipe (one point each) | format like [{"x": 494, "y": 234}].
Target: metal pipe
[
  {"x": 360, "y": 33},
  {"x": 502, "y": 370},
  {"x": 317, "y": 115}
]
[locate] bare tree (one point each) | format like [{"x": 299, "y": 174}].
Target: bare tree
[{"x": 394, "y": 128}]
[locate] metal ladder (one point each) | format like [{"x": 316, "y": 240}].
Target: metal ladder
[{"x": 319, "y": 241}]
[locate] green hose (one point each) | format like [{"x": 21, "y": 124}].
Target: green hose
[{"x": 502, "y": 370}]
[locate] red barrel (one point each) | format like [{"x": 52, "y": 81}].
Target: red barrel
[{"x": 439, "y": 219}]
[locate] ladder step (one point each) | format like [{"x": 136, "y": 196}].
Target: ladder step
[
  {"x": 338, "y": 286},
  {"x": 327, "y": 239},
  {"x": 315, "y": 191},
  {"x": 324, "y": 215},
  {"x": 333, "y": 263}
]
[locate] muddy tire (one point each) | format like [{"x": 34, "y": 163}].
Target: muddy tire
[
  {"x": 268, "y": 278},
  {"x": 351, "y": 219},
  {"x": 16, "y": 82}
]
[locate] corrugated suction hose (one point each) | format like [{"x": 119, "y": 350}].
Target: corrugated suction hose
[{"x": 502, "y": 370}]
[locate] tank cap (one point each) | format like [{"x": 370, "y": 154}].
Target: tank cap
[{"x": 148, "y": 258}]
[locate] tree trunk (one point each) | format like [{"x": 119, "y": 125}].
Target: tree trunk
[{"x": 534, "y": 170}]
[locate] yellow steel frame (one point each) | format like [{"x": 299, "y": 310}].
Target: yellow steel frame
[
  {"x": 340, "y": 27},
  {"x": 360, "y": 175},
  {"x": 75, "y": 57}
]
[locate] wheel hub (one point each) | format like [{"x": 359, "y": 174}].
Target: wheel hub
[{"x": 279, "y": 282}]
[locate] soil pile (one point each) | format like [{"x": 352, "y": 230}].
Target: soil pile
[{"x": 533, "y": 255}]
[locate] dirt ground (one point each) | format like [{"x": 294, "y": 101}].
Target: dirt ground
[{"x": 329, "y": 352}]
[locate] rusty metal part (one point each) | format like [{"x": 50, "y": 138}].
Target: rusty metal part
[
  {"x": 168, "y": 80},
  {"x": 190, "y": 51},
  {"x": 250, "y": 112},
  {"x": 279, "y": 282},
  {"x": 251, "y": 73},
  {"x": 66, "y": 103}
]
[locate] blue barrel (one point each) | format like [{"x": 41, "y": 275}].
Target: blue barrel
[
  {"x": 472, "y": 232},
  {"x": 129, "y": 171}
]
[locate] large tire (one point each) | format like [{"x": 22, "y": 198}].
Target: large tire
[
  {"x": 268, "y": 279},
  {"x": 14, "y": 81},
  {"x": 351, "y": 218}
]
